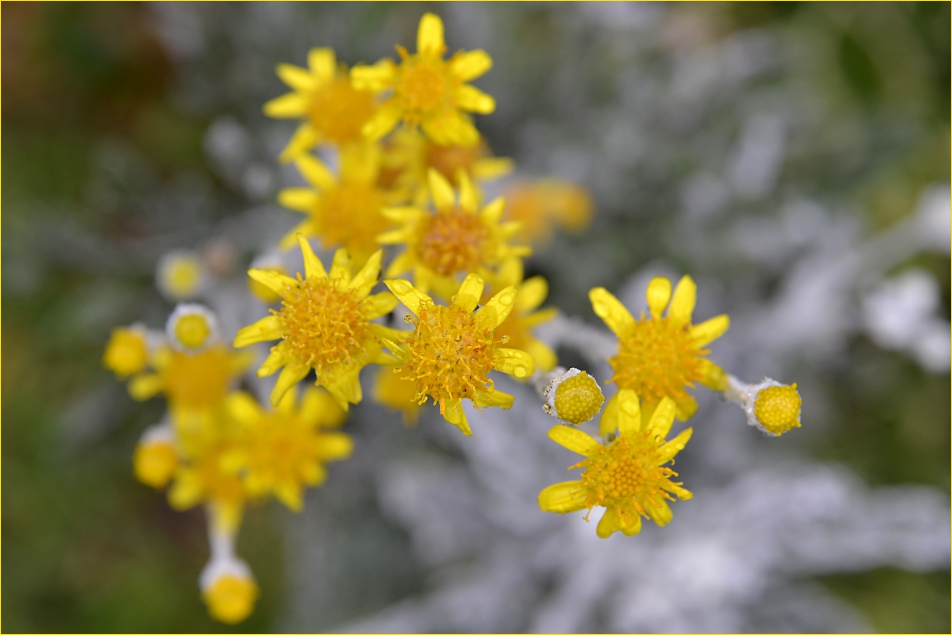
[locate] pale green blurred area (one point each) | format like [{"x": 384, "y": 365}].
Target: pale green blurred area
[{"x": 103, "y": 171}]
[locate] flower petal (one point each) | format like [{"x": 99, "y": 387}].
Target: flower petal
[
  {"x": 658, "y": 295},
  {"x": 313, "y": 267},
  {"x": 374, "y": 78},
  {"x": 289, "y": 106},
  {"x": 491, "y": 214},
  {"x": 146, "y": 386},
  {"x": 277, "y": 282},
  {"x": 303, "y": 139},
  {"x": 514, "y": 362},
  {"x": 379, "y": 304},
  {"x": 709, "y": 330},
  {"x": 494, "y": 399},
  {"x": 295, "y": 77},
  {"x": 490, "y": 168},
  {"x": 470, "y": 98},
  {"x": 455, "y": 414},
  {"x": 300, "y": 199},
  {"x": 609, "y": 524},
  {"x": 531, "y": 293},
  {"x": 288, "y": 378},
  {"x": 408, "y": 294},
  {"x": 430, "y": 40},
  {"x": 322, "y": 63},
  {"x": 382, "y": 121},
  {"x": 630, "y": 521},
  {"x": 264, "y": 330},
  {"x": 682, "y": 303},
  {"x": 659, "y": 511},
  {"x": 468, "y": 198},
  {"x": 449, "y": 126},
  {"x": 497, "y": 309},
  {"x": 685, "y": 407},
  {"x": 402, "y": 263},
  {"x": 470, "y": 65},
  {"x": 608, "y": 424},
  {"x": 469, "y": 293},
  {"x": 662, "y": 418},
  {"x": 713, "y": 376},
  {"x": 573, "y": 439},
  {"x": 440, "y": 190},
  {"x": 368, "y": 275},
  {"x": 346, "y": 389},
  {"x": 315, "y": 172},
  {"x": 272, "y": 362},
  {"x": 335, "y": 446},
  {"x": 670, "y": 449},
  {"x": 612, "y": 312},
  {"x": 562, "y": 498},
  {"x": 629, "y": 412}
]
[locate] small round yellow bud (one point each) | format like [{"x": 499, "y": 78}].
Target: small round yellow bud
[
  {"x": 192, "y": 330},
  {"x": 231, "y": 598},
  {"x": 126, "y": 353},
  {"x": 574, "y": 397},
  {"x": 191, "y": 327},
  {"x": 777, "y": 408},
  {"x": 155, "y": 463},
  {"x": 180, "y": 275}
]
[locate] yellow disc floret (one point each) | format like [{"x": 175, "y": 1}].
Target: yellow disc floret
[
  {"x": 127, "y": 352},
  {"x": 231, "y": 598},
  {"x": 777, "y": 408}
]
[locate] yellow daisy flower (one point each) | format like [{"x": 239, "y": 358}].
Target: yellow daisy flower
[
  {"x": 451, "y": 350},
  {"x": 541, "y": 204},
  {"x": 324, "y": 325},
  {"x": 458, "y": 239},
  {"x": 427, "y": 90},
  {"x": 284, "y": 450},
  {"x": 334, "y": 111},
  {"x": 626, "y": 476},
  {"x": 409, "y": 155},
  {"x": 662, "y": 355},
  {"x": 345, "y": 211}
]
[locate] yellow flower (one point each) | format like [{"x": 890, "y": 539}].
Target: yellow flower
[
  {"x": 391, "y": 390},
  {"x": 284, "y": 450},
  {"x": 539, "y": 205},
  {"x": 409, "y": 155},
  {"x": 231, "y": 597},
  {"x": 180, "y": 275},
  {"x": 324, "y": 325},
  {"x": 451, "y": 350},
  {"x": 662, "y": 355},
  {"x": 427, "y": 90},
  {"x": 517, "y": 328},
  {"x": 334, "y": 111},
  {"x": 626, "y": 476},
  {"x": 156, "y": 458},
  {"x": 457, "y": 239},
  {"x": 342, "y": 212},
  {"x": 127, "y": 352}
]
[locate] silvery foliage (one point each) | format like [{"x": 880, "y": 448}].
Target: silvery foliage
[{"x": 425, "y": 530}]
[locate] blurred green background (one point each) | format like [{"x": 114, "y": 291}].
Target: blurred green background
[{"x": 87, "y": 548}]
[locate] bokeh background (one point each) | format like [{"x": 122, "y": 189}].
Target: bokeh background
[{"x": 792, "y": 157}]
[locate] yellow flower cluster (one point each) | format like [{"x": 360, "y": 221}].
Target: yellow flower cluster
[{"x": 406, "y": 198}]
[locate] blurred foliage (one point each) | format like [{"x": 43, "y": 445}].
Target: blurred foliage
[{"x": 89, "y": 549}]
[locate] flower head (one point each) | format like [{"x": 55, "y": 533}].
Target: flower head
[
  {"x": 345, "y": 211},
  {"x": 541, "y": 204},
  {"x": 451, "y": 350},
  {"x": 324, "y": 325},
  {"x": 772, "y": 407},
  {"x": 662, "y": 355},
  {"x": 180, "y": 275},
  {"x": 427, "y": 90},
  {"x": 332, "y": 109},
  {"x": 457, "y": 239},
  {"x": 191, "y": 328},
  {"x": 574, "y": 397},
  {"x": 627, "y": 476},
  {"x": 156, "y": 458},
  {"x": 228, "y": 589},
  {"x": 127, "y": 352}
]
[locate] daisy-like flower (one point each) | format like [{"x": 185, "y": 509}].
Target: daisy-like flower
[
  {"x": 333, "y": 110},
  {"x": 661, "y": 355},
  {"x": 284, "y": 450},
  {"x": 541, "y": 204},
  {"x": 451, "y": 350},
  {"x": 345, "y": 211},
  {"x": 324, "y": 325},
  {"x": 627, "y": 476},
  {"x": 127, "y": 352},
  {"x": 408, "y": 156},
  {"x": 458, "y": 239},
  {"x": 427, "y": 90}
]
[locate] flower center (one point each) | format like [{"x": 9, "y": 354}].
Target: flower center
[
  {"x": 452, "y": 241},
  {"x": 423, "y": 86},
  {"x": 448, "y": 160},
  {"x": 349, "y": 215},
  {"x": 450, "y": 355},
  {"x": 322, "y": 325},
  {"x": 338, "y": 111},
  {"x": 192, "y": 330},
  {"x": 659, "y": 359},
  {"x": 627, "y": 470},
  {"x": 200, "y": 380}
]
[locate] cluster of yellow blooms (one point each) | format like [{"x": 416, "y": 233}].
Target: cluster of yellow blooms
[{"x": 411, "y": 165}]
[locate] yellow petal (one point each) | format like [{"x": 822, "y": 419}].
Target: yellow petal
[
  {"x": 300, "y": 199},
  {"x": 295, "y": 77},
  {"x": 531, "y": 293},
  {"x": 144, "y": 387},
  {"x": 272, "y": 363},
  {"x": 315, "y": 172},
  {"x": 573, "y": 439},
  {"x": 346, "y": 390},
  {"x": 470, "y": 65},
  {"x": 322, "y": 63},
  {"x": 440, "y": 190},
  {"x": 491, "y": 168},
  {"x": 712, "y": 375},
  {"x": 430, "y": 40},
  {"x": 288, "y": 378},
  {"x": 468, "y": 198},
  {"x": 335, "y": 446},
  {"x": 544, "y": 356},
  {"x": 401, "y": 264},
  {"x": 305, "y": 227},
  {"x": 470, "y": 98},
  {"x": 612, "y": 312},
  {"x": 629, "y": 412},
  {"x": 709, "y": 330},
  {"x": 513, "y": 361},
  {"x": 340, "y": 267},
  {"x": 659, "y": 512},
  {"x": 491, "y": 214},
  {"x": 277, "y": 282},
  {"x": 609, "y": 524},
  {"x": 382, "y": 121},
  {"x": 562, "y": 498},
  {"x": 404, "y": 214},
  {"x": 497, "y": 309},
  {"x": 455, "y": 414},
  {"x": 313, "y": 267},
  {"x": 539, "y": 317},
  {"x": 379, "y": 304},
  {"x": 469, "y": 293},
  {"x": 374, "y": 78},
  {"x": 682, "y": 303},
  {"x": 289, "y": 106},
  {"x": 685, "y": 407},
  {"x": 450, "y": 127},
  {"x": 186, "y": 491},
  {"x": 288, "y": 401},
  {"x": 662, "y": 418},
  {"x": 411, "y": 297},
  {"x": 608, "y": 424},
  {"x": 243, "y": 408},
  {"x": 670, "y": 449},
  {"x": 494, "y": 399},
  {"x": 368, "y": 275},
  {"x": 396, "y": 237},
  {"x": 264, "y": 330},
  {"x": 303, "y": 139},
  {"x": 658, "y": 295},
  {"x": 630, "y": 523}
]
